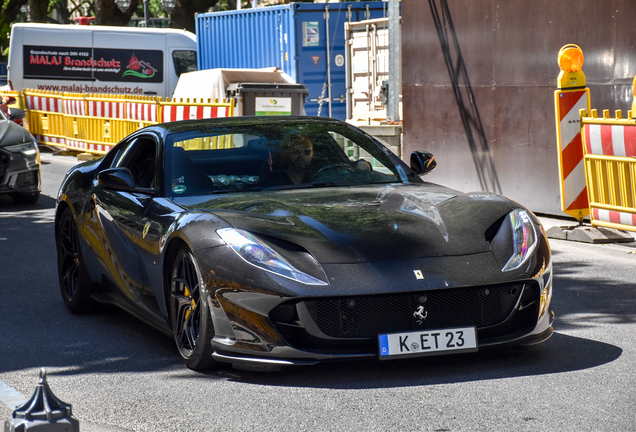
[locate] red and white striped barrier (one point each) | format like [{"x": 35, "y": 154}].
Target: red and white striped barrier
[
  {"x": 144, "y": 112},
  {"x": 95, "y": 123},
  {"x": 44, "y": 102},
  {"x": 106, "y": 109},
  {"x": 74, "y": 107},
  {"x": 613, "y": 216},
  {"x": 170, "y": 113},
  {"x": 41, "y": 106},
  {"x": 102, "y": 148},
  {"x": 610, "y": 140},
  {"x": 49, "y": 139},
  {"x": 574, "y": 199},
  {"x": 78, "y": 145}
]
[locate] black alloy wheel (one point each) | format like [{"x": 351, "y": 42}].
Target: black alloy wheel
[
  {"x": 70, "y": 266},
  {"x": 190, "y": 314}
]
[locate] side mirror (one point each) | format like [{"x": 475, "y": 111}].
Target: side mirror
[
  {"x": 116, "y": 178},
  {"x": 422, "y": 162},
  {"x": 16, "y": 113}
]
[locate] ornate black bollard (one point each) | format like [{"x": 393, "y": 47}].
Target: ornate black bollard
[{"x": 42, "y": 413}]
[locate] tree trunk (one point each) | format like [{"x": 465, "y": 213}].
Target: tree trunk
[
  {"x": 38, "y": 11},
  {"x": 107, "y": 13},
  {"x": 182, "y": 15}
]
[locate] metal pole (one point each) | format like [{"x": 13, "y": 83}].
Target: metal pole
[
  {"x": 372, "y": 75},
  {"x": 328, "y": 59},
  {"x": 348, "y": 67},
  {"x": 146, "y": 13},
  {"x": 395, "y": 69}
]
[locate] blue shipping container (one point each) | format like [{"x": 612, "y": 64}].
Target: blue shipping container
[{"x": 294, "y": 38}]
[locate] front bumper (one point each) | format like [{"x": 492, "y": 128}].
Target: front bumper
[
  {"x": 306, "y": 330},
  {"x": 262, "y": 318},
  {"x": 19, "y": 173}
]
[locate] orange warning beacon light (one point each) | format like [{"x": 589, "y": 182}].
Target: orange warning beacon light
[{"x": 570, "y": 61}]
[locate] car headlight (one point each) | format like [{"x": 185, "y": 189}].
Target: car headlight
[
  {"x": 524, "y": 238},
  {"x": 258, "y": 254},
  {"x": 27, "y": 148}
]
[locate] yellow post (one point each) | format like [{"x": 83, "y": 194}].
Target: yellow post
[
  {"x": 634, "y": 94},
  {"x": 572, "y": 96}
]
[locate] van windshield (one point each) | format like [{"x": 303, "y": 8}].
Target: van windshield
[{"x": 184, "y": 61}]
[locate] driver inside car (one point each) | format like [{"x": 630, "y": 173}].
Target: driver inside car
[
  {"x": 297, "y": 156},
  {"x": 293, "y": 163},
  {"x": 316, "y": 159}
]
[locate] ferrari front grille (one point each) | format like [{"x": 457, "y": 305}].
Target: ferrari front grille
[
  {"x": 369, "y": 316},
  {"x": 488, "y": 308}
]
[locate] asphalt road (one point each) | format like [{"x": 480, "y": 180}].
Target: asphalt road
[{"x": 121, "y": 375}]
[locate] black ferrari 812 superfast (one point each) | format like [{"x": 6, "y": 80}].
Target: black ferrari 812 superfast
[{"x": 272, "y": 241}]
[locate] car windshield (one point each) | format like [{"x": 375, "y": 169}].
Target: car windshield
[{"x": 276, "y": 156}]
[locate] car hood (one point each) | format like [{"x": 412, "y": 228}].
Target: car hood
[
  {"x": 11, "y": 133},
  {"x": 366, "y": 223}
]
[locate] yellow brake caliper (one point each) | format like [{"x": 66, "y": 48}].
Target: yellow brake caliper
[{"x": 187, "y": 293}]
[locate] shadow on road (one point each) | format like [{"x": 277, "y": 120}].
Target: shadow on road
[
  {"x": 7, "y": 204},
  {"x": 37, "y": 330},
  {"x": 560, "y": 354}
]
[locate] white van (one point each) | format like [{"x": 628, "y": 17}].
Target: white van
[{"x": 99, "y": 59}]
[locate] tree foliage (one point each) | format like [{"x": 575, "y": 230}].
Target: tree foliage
[{"x": 9, "y": 14}]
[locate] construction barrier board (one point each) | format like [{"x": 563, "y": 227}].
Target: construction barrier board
[
  {"x": 568, "y": 103},
  {"x": 610, "y": 168},
  {"x": 94, "y": 123}
]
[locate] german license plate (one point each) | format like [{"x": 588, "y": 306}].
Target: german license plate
[{"x": 427, "y": 342}]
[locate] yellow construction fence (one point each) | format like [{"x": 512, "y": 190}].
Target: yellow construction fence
[
  {"x": 94, "y": 123},
  {"x": 609, "y": 146}
]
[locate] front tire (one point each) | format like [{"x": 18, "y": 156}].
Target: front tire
[
  {"x": 190, "y": 314},
  {"x": 74, "y": 283}
]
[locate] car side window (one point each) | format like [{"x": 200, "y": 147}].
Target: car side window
[
  {"x": 112, "y": 158},
  {"x": 140, "y": 159},
  {"x": 184, "y": 61},
  {"x": 359, "y": 156}
]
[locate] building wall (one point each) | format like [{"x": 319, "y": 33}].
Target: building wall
[{"x": 509, "y": 49}]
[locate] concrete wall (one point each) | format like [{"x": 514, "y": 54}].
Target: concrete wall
[{"x": 509, "y": 52}]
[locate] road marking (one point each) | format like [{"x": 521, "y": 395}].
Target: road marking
[{"x": 11, "y": 397}]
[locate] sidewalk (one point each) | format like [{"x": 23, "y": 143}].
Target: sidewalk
[
  {"x": 549, "y": 221},
  {"x": 552, "y": 221}
]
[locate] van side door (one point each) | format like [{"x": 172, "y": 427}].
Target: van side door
[{"x": 130, "y": 63}]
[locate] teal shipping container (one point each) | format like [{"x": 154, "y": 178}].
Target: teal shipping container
[{"x": 305, "y": 40}]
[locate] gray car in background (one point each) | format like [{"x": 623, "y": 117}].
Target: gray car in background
[{"x": 19, "y": 160}]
